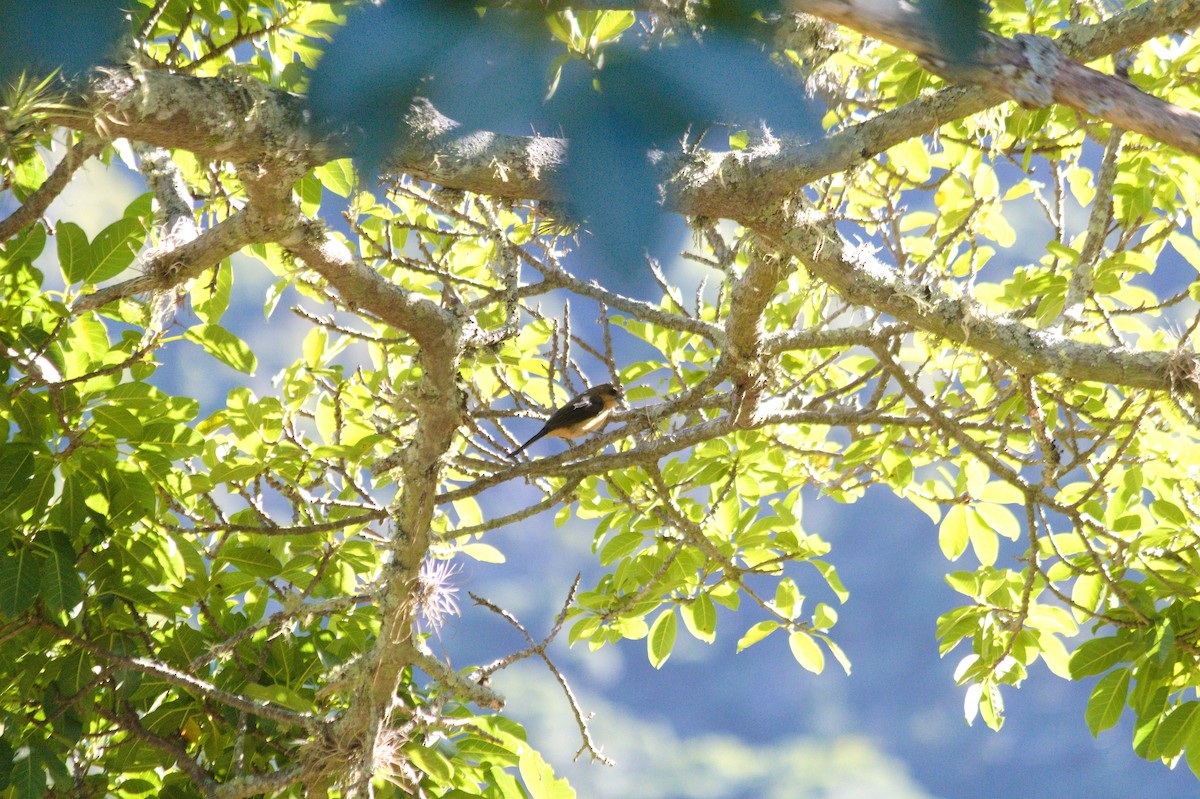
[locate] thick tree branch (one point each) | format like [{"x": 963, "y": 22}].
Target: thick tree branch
[
  {"x": 514, "y": 167},
  {"x": 862, "y": 280},
  {"x": 743, "y": 357},
  {"x": 439, "y": 409},
  {"x": 245, "y": 122},
  {"x": 1030, "y": 69},
  {"x": 166, "y": 269},
  {"x": 725, "y": 185},
  {"x": 1132, "y": 26},
  {"x": 259, "y": 784},
  {"x": 1083, "y": 274},
  {"x": 241, "y": 121},
  {"x": 717, "y": 184},
  {"x": 362, "y": 287},
  {"x": 164, "y": 177}
]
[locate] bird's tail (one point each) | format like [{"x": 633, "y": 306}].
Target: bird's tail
[{"x": 521, "y": 448}]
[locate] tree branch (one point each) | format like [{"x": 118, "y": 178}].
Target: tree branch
[
  {"x": 129, "y": 721},
  {"x": 166, "y": 269},
  {"x": 362, "y": 287},
  {"x": 862, "y": 280},
  {"x": 1079, "y": 288},
  {"x": 1029, "y": 69},
  {"x": 470, "y": 687},
  {"x": 188, "y": 682},
  {"x": 36, "y": 203},
  {"x": 246, "y": 122}
]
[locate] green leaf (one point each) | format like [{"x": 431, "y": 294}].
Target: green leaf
[
  {"x": 953, "y": 532},
  {"x": 1064, "y": 252},
  {"x": 20, "y": 574},
  {"x": 539, "y": 776},
  {"x": 554, "y": 73},
  {"x": 620, "y": 546},
  {"x": 807, "y": 651},
  {"x": 251, "y": 560},
  {"x": 991, "y": 706},
  {"x": 274, "y": 295},
  {"x": 612, "y": 23},
  {"x": 212, "y": 292},
  {"x": 224, "y": 346},
  {"x": 824, "y": 616},
  {"x": 35, "y": 500},
  {"x": 28, "y": 779},
  {"x": 484, "y": 553},
  {"x": 700, "y": 618},
  {"x": 1082, "y": 186},
  {"x": 1174, "y": 730},
  {"x": 430, "y": 761},
  {"x": 1164, "y": 642},
  {"x": 998, "y": 518},
  {"x": 756, "y": 634},
  {"x": 25, "y": 246},
  {"x": 1169, "y": 512},
  {"x": 1051, "y": 618},
  {"x": 788, "y": 598},
  {"x": 117, "y": 423},
  {"x": 468, "y": 512},
  {"x": 1100, "y": 654},
  {"x": 74, "y": 252},
  {"x": 337, "y": 176},
  {"x": 61, "y": 586},
  {"x": 838, "y": 654},
  {"x": 280, "y": 695},
  {"x": 913, "y": 157},
  {"x": 661, "y": 640},
  {"x": 1186, "y": 247},
  {"x": 1107, "y": 701},
  {"x": 983, "y": 539},
  {"x": 830, "y": 574},
  {"x": 114, "y": 249},
  {"x": 70, "y": 512},
  {"x": 1086, "y": 594},
  {"x": 308, "y": 190},
  {"x": 558, "y": 25},
  {"x": 75, "y": 671},
  {"x": 17, "y": 467},
  {"x": 1054, "y": 654},
  {"x": 1192, "y": 750}
]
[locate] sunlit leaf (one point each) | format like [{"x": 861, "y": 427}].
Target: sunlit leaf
[
  {"x": 806, "y": 651},
  {"x": 1107, "y": 701},
  {"x": 224, "y": 346},
  {"x": 661, "y": 640}
]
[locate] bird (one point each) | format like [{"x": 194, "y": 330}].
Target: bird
[{"x": 582, "y": 415}]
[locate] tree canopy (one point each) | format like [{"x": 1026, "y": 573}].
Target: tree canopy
[{"x": 946, "y": 252}]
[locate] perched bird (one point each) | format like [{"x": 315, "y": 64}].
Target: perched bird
[{"x": 582, "y": 415}]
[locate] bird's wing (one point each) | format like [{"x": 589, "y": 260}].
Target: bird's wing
[
  {"x": 565, "y": 419},
  {"x": 578, "y": 410}
]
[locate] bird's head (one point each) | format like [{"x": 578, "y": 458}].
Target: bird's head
[{"x": 610, "y": 394}]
